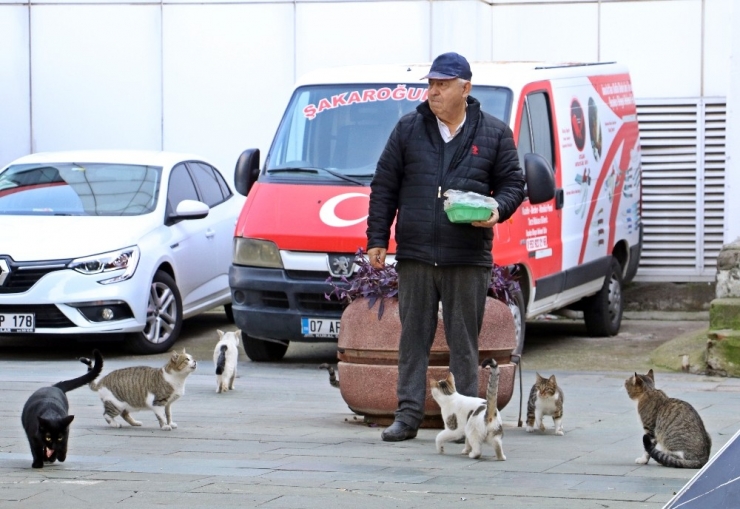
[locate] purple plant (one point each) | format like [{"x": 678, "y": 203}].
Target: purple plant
[{"x": 379, "y": 284}]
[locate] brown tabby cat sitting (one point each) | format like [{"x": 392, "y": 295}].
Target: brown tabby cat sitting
[{"x": 675, "y": 435}]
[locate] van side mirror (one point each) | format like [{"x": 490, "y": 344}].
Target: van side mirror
[
  {"x": 247, "y": 170},
  {"x": 540, "y": 178}
]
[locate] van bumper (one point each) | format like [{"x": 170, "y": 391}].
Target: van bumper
[{"x": 269, "y": 303}]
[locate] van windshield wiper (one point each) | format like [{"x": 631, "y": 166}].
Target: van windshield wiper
[{"x": 312, "y": 169}]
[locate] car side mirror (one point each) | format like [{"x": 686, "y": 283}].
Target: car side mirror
[
  {"x": 540, "y": 178},
  {"x": 247, "y": 170},
  {"x": 188, "y": 209}
]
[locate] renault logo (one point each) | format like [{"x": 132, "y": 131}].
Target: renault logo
[
  {"x": 4, "y": 271},
  {"x": 341, "y": 265}
]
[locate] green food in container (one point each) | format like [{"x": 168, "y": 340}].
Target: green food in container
[{"x": 466, "y": 206}]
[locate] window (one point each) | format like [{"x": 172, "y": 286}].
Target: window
[
  {"x": 208, "y": 185},
  {"x": 535, "y": 128},
  {"x": 181, "y": 188}
]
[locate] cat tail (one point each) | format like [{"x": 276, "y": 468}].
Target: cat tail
[
  {"x": 492, "y": 390},
  {"x": 221, "y": 360},
  {"x": 667, "y": 460},
  {"x": 332, "y": 374},
  {"x": 92, "y": 373}
]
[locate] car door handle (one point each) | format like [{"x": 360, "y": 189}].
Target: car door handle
[{"x": 210, "y": 233}]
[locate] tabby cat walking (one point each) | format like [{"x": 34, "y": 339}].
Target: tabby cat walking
[
  {"x": 45, "y": 416},
  {"x": 140, "y": 387},
  {"x": 545, "y": 398},
  {"x": 675, "y": 435}
]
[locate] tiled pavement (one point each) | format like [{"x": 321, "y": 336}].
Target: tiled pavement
[{"x": 285, "y": 439}]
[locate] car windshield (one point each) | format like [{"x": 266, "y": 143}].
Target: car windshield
[
  {"x": 79, "y": 189},
  {"x": 338, "y": 132}
]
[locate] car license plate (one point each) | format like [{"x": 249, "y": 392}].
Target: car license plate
[
  {"x": 320, "y": 327},
  {"x": 17, "y": 322}
]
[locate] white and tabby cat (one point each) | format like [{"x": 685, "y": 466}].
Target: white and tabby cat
[
  {"x": 675, "y": 435},
  {"x": 136, "y": 388},
  {"x": 484, "y": 425},
  {"x": 456, "y": 409},
  {"x": 545, "y": 398},
  {"x": 225, "y": 357}
]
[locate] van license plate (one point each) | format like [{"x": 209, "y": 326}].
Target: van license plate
[
  {"x": 320, "y": 328},
  {"x": 17, "y": 322}
]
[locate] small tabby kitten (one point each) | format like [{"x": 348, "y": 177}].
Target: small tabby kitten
[
  {"x": 675, "y": 435},
  {"x": 456, "y": 409},
  {"x": 485, "y": 425},
  {"x": 225, "y": 357},
  {"x": 136, "y": 388},
  {"x": 545, "y": 398},
  {"x": 45, "y": 417}
]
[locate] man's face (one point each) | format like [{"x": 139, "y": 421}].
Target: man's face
[{"x": 447, "y": 97}]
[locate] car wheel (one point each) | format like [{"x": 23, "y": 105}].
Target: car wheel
[
  {"x": 229, "y": 312},
  {"x": 519, "y": 312},
  {"x": 264, "y": 351},
  {"x": 163, "y": 318},
  {"x": 603, "y": 312}
]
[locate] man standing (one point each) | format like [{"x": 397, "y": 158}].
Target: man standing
[{"x": 447, "y": 143}]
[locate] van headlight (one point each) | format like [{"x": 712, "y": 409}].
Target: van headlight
[
  {"x": 123, "y": 259},
  {"x": 256, "y": 253}
]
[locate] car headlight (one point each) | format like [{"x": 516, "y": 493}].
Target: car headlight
[
  {"x": 124, "y": 259},
  {"x": 256, "y": 253}
]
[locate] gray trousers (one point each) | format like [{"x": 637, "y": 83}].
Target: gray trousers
[{"x": 462, "y": 289}]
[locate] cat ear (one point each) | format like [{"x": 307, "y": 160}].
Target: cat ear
[
  {"x": 220, "y": 333},
  {"x": 67, "y": 420},
  {"x": 539, "y": 377},
  {"x": 552, "y": 379},
  {"x": 650, "y": 375},
  {"x": 43, "y": 423},
  {"x": 238, "y": 335}
]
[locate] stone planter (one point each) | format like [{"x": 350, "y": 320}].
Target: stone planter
[{"x": 368, "y": 359}]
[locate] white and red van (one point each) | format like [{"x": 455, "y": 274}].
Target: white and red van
[{"x": 306, "y": 208}]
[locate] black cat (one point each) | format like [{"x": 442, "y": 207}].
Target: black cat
[{"x": 45, "y": 417}]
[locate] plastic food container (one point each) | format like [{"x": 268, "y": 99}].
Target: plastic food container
[{"x": 457, "y": 213}]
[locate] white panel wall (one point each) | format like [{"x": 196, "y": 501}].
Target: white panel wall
[
  {"x": 531, "y": 32},
  {"x": 15, "y": 106},
  {"x": 463, "y": 26},
  {"x": 96, "y": 77},
  {"x": 717, "y": 45},
  {"x": 228, "y": 73},
  {"x": 346, "y": 33},
  {"x": 659, "y": 40}
]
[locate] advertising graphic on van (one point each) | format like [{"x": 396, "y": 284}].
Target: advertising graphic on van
[{"x": 307, "y": 205}]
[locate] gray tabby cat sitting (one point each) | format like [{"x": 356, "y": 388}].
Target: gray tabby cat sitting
[
  {"x": 675, "y": 435},
  {"x": 545, "y": 398},
  {"x": 136, "y": 388}
]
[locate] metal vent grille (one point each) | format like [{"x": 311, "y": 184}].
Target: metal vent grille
[{"x": 683, "y": 166}]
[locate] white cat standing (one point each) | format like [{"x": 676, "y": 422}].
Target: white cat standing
[
  {"x": 140, "y": 387},
  {"x": 225, "y": 357}
]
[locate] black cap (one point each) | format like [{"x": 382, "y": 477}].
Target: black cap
[{"x": 448, "y": 66}]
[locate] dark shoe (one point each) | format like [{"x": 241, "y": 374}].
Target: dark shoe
[{"x": 397, "y": 432}]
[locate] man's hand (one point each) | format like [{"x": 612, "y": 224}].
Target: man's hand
[
  {"x": 376, "y": 255},
  {"x": 487, "y": 224}
]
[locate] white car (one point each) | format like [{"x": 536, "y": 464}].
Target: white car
[{"x": 113, "y": 242}]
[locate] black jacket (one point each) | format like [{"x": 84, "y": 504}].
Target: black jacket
[{"x": 410, "y": 181}]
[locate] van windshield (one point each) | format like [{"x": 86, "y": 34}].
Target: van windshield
[{"x": 337, "y": 132}]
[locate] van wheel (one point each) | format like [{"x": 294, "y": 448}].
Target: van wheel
[
  {"x": 163, "y": 318},
  {"x": 519, "y": 313},
  {"x": 264, "y": 351},
  {"x": 603, "y": 312}
]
